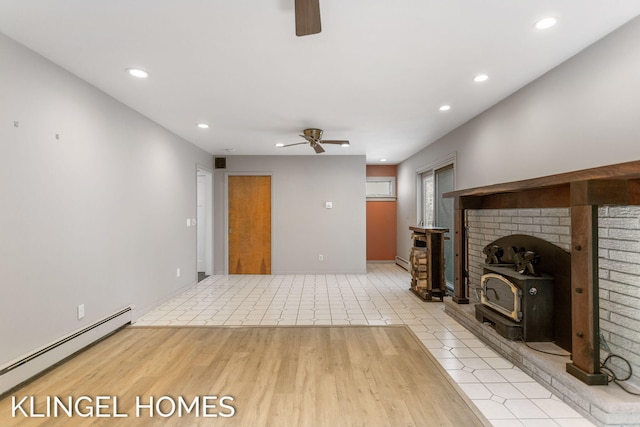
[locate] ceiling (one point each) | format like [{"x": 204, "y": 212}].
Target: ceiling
[{"x": 376, "y": 74}]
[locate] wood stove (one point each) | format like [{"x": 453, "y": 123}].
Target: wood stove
[
  {"x": 525, "y": 290},
  {"x": 524, "y": 303}
]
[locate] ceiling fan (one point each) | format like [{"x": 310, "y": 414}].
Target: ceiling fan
[
  {"x": 307, "y": 17},
  {"x": 314, "y": 138}
]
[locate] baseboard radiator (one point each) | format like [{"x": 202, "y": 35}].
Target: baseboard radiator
[
  {"x": 20, "y": 370},
  {"x": 402, "y": 263}
]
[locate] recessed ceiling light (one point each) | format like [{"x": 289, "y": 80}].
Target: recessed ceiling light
[
  {"x": 480, "y": 78},
  {"x": 230, "y": 150},
  {"x": 136, "y": 72},
  {"x": 345, "y": 144},
  {"x": 445, "y": 107},
  {"x": 383, "y": 160},
  {"x": 279, "y": 145},
  {"x": 545, "y": 23},
  {"x": 203, "y": 125}
]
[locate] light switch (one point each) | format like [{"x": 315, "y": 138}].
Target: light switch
[
  {"x": 328, "y": 205},
  {"x": 188, "y": 222}
]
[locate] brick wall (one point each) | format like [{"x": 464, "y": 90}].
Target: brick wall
[
  {"x": 485, "y": 226},
  {"x": 619, "y": 263}
]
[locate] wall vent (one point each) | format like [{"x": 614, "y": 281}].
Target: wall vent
[{"x": 220, "y": 162}]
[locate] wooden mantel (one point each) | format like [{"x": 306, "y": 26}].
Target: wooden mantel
[{"x": 582, "y": 191}]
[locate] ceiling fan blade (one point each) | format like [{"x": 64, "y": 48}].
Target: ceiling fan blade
[
  {"x": 297, "y": 143},
  {"x": 307, "y": 17},
  {"x": 318, "y": 148},
  {"x": 338, "y": 142},
  {"x": 308, "y": 138}
]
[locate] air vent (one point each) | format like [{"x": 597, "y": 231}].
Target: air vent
[{"x": 220, "y": 162}]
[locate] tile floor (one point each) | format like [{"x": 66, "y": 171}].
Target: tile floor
[{"x": 505, "y": 394}]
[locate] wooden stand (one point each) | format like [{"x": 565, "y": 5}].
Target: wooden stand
[{"x": 427, "y": 263}]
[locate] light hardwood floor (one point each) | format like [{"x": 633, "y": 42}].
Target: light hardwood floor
[{"x": 278, "y": 376}]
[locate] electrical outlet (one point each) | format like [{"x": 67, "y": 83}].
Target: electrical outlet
[
  {"x": 320, "y": 257},
  {"x": 177, "y": 272},
  {"x": 80, "y": 311}
]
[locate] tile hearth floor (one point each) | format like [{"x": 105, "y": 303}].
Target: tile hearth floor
[{"x": 504, "y": 394}]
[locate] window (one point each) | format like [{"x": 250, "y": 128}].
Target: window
[
  {"x": 435, "y": 210},
  {"x": 381, "y": 187},
  {"x": 427, "y": 199}
]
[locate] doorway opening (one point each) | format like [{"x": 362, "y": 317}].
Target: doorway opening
[{"x": 204, "y": 223}]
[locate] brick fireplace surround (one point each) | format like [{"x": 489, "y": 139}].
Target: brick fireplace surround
[{"x": 595, "y": 215}]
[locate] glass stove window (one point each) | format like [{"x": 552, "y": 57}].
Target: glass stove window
[{"x": 499, "y": 293}]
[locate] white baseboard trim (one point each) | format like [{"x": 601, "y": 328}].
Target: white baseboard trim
[
  {"x": 17, "y": 371},
  {"x": 402, "y": 263}
]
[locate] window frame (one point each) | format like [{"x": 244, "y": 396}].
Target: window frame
[
  {"x": 420, "y": 173},
  {"x": 391, "y": 196}
]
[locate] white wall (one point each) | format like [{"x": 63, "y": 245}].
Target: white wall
[
  {"x": 97, "y": 217},
  {"x": 302, "y": 228},
  {"x": 582, "y": 114}
]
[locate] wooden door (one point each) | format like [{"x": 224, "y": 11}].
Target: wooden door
[{"x": 249, "y": 224}]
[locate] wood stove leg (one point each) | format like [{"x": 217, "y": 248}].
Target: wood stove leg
[{"x": 585, "y": 341}]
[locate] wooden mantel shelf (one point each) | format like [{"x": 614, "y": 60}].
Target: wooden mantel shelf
[
  {"x": 583, "y": 191},
  {"x": 629, "y": 171}
]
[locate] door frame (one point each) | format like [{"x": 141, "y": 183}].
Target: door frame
[
  {"x": 444, "y": 162},
  {"x": 226, "y": 214},
  {"x": 447, "y": 160},
  {"x": 208, "y": 226}
]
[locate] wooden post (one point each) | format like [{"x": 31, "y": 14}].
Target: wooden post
[
  {"x": 460, "y": 272},
  {"x": 585, "y": 343}
]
